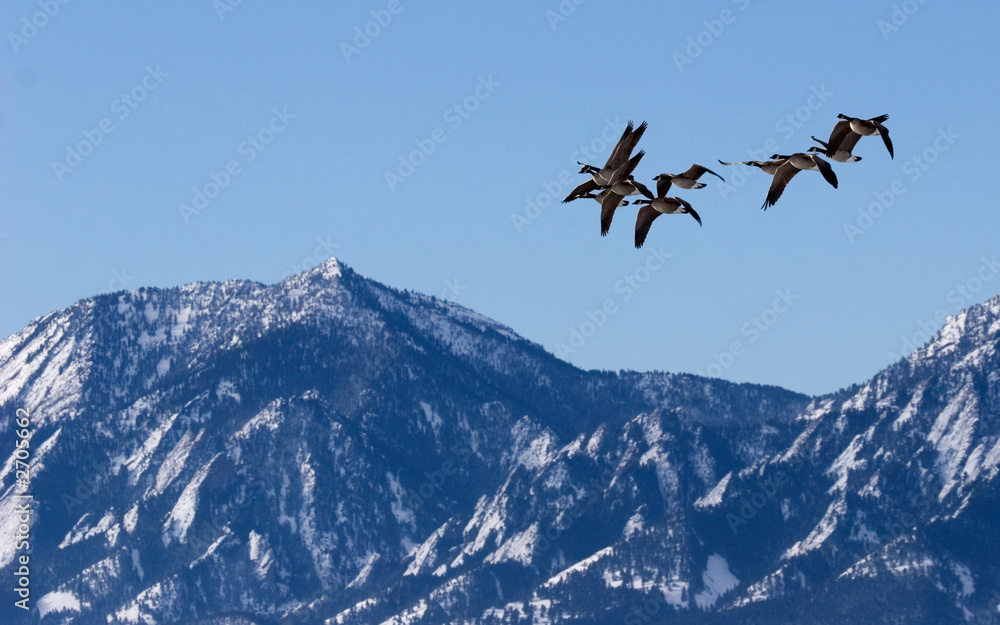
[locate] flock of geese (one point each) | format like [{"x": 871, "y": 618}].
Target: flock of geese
[{"x": 611, "y": 184}]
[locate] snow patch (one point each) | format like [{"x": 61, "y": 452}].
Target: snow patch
[
  {"x": 820, "y": 533},
  {"x": 714, "y": 496},
  {"x": 403, "y": 515},
  {"x": 579, "y": 567},
  {"x": 227, "y": 388},
  {"x": 518, "y": 548},
  {"x": 718, "y": 580},
  {"x": 182, "y": 514},
  {"x": 964, "y": 576},
  {"x": 57, "y": 601},
  {"x": 137, "y": 565},
  {"x": 433, "y": 418}
]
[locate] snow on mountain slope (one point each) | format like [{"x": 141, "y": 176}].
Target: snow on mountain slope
[{"x": 328, "y": 449}]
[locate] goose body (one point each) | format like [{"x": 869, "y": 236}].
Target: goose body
[{"x": 792, "y": 165}]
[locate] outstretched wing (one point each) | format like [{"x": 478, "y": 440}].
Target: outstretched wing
[
  {"x": 695, "y": 171},
  {"x": 608, "y": 206},
  {"x": 641, "y": 188},
  {"x": 884, "y": 132},
  {"x": 839, "y": 137},
  {"x": 690, "y": 210},
  {"x": 663, "y": 185},
  {"x": 785, "y": 173},
  {"x": 582, "y": 190},
  {"x": 623, "y": 172},
  {"x": 642, "y": 223},
  {"x": 827, "y": 170},
  {"x": 618, "y": 148},
  {"x": 625, "y": 145}
]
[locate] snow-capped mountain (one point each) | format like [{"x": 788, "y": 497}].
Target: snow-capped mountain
[{"x": 328, "y": 449}]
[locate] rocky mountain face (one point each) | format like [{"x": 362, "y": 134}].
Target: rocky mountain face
[{"x": 328, "y": 449}]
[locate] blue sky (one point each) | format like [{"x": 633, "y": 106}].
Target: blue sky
[{"x": 427, "y": 147}]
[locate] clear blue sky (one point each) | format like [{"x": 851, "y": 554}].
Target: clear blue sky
[{"x": 294, "y": 116}]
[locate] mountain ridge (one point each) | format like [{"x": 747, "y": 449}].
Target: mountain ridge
[{"x": 363, "y": 454}]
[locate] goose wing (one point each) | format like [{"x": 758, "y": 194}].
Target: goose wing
[
  {"x": 695, "y": 171},
  {"x": 618, "y": 148},
  {"x": 641, "y": 188},
  {"x": 663, "y": 185},
  {"x": 839, "y": 136},
  {"x": 784, "y": 173},
  {"x": 884, "y": 132},
  {"x": 751, "y": 163},
  {"x": 690, "y": 210},
  {"x": 582, "y": 190},
  {"x": 623, "y": 172},
  {"x": 826, "y": 169},
  {"x": 769, "y": 167},
  {"x": 610, "y": 202},
  {"x": 642, "y": 223},
  {"x": 850, "y": 141},
  {"x": 625, "y": 145}
]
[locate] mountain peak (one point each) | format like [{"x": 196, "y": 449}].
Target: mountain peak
[
  {"x": 248, "y": 449},
  {"x": 328, "y": 270}
]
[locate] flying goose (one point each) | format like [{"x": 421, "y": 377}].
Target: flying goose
[
  {"x": 689, "y": 179},
  {"x": 792, "y": 165},
  {"x": 622, "y": 184},
  {"x": 843, "y": 153},
  {"x": 852, "y": 128},
  {"x": 768, "y": 167},
  {"x": 660, "y": 205},
  {"x": 621, "y": 153},
  {"x": 600, "y": 178}
]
